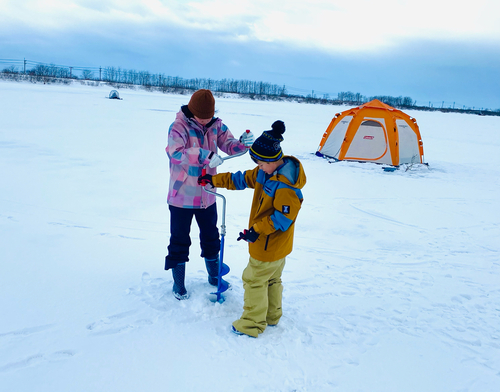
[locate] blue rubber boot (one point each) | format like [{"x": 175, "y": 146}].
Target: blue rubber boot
[
  {"x": 179, "y": 274},
  {"x": 213, "y": 271}
]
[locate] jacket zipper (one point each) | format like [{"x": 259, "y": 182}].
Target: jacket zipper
[
  {"x": 260, "y": 205},
  {"x": 267, "y": 241}
]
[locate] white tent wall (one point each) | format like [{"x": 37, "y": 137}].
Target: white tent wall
[
  {"x": 334, "y": 142},
  {"x": 408, "y": 143}
]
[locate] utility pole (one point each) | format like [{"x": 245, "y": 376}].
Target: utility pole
[{"x": 25, "y": 66}]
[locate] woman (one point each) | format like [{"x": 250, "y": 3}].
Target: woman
[{"x": 193, "y": 141}]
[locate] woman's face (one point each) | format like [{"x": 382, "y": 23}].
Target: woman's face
[{"x": 202, "y": 121}]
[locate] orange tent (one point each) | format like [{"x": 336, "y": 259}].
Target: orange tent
[{"x": 373, "y": 132}]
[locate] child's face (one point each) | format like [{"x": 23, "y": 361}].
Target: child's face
[{"x": 269, "y": 167}]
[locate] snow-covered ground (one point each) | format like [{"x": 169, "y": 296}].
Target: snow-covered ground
[{"x": 393, "y": 285}]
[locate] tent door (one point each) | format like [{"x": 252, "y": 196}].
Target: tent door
[{"x": 370, "y": 142}]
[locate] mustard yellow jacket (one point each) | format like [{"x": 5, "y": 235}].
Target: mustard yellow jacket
[{"x": 276, "y": 203}]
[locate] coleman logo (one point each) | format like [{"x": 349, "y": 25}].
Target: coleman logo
[
  {"x": 369, "y": 137},
  {"x": 285, "y": 209}
]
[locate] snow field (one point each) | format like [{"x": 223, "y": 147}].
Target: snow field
[{"x": 393, "y": 284}]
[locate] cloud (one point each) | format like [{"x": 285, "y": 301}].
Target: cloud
[
  {"x": 333, "y": 26},
  {"x": 430, "y": 50}
]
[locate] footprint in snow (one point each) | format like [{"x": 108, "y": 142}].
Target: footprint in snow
[
  {"x": 27, "y": 331},
  {"x": 117, "y": 323},
  {"x": 37, "y": 359}
]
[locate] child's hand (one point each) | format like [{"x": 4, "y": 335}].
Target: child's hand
[
  {"x": 205, "y": 179},
  {"x": 249, "y": 235}
]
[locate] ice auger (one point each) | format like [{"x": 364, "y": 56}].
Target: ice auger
[{"x": 222, "y": 285}]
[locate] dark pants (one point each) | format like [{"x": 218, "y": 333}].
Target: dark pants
[{"x": 180, "y": 227}]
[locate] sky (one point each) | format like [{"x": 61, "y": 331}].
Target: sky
[{"x": 438, "y": 52}]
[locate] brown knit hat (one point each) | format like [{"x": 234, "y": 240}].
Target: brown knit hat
[{"x": 202, "y": 104}]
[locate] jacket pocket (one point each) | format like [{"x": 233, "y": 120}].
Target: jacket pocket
[{"x": 179, "y": 181}]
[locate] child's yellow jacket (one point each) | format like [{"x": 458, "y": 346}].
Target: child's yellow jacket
[{"x": 276, "y": 203}]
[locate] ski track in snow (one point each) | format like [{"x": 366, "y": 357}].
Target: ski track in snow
[
  {"x": 38, "y": 359},
  {"x": 26, "y": 335}
]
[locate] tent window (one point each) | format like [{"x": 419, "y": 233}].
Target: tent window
[{"x": 371, "y": 123}]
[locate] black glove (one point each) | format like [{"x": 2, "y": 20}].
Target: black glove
[
  {"x": 205, "y": 179},
  {"x": 249, "y": 235}
]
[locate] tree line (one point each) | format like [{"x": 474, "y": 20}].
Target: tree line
[
  {"x": 119, "y": 76},
  {"x": 123, "y": 78}
]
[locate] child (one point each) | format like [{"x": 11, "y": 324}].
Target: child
[{"x": 277, "y": 199}]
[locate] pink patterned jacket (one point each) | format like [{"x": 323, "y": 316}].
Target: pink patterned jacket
[{"x": 189, "y": 145}]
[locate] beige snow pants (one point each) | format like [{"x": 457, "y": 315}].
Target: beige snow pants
[{"x": 263, "y": 294}]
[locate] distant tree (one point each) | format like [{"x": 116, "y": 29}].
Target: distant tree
[
  {"x": 11, "y": 70},
  {"x": 87, "y": 74},
  {"x": 407, "y": 101}
]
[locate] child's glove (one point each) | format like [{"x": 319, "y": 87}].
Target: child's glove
[
  {"x": 215, "y": 160},
  {"x": 247, "y": 138},
  {"x": 249, "y": 235},
  {"x": 205, "y": 179}
]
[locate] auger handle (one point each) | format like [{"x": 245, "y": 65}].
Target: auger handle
[{"x": 204, "y": 182}]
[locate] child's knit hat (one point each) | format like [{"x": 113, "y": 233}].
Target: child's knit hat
[
  {"x": 202, "y": 104},
  {"x": 267, "y": 147}
]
